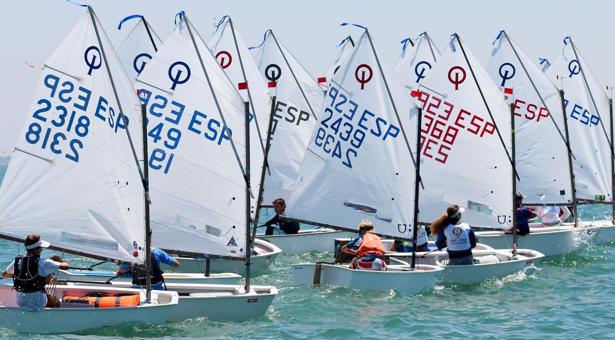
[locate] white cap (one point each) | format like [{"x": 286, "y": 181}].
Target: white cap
[{"x": 40, "y": 243}]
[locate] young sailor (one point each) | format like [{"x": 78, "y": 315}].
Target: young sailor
[
  {"x": 139, "y": 276},
  {"x": 367, "y": 249},
  {"x": 288, "y": 227},
  {"x": 456, "y": 236},
  {"x": 523, "y": 215},
  {"x": 29, "y": 273},
  {"x": 552, "y": 216}
]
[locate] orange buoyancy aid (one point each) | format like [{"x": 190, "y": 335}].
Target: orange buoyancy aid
[
  {"x": 104, "y": 302},
  {"x": 371, "y": 243}
]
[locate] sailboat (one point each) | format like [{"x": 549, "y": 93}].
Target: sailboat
[
  {"x": 537, "y": 108},
  {"x": 139, "y": 46},
  {"x": 296, "y": 100},
  {"x": 465, "y": 143},
  {"x": 195, "y": 115},
  {"x": 544, "y": 64},
  {"x": 74, "y": 178},
  {"x": 583, "y": 92},
  {"x": 359, "y": 165}
]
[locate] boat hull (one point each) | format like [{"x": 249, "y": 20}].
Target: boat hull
[
  {"x": 266, "y": 254},
  {"x": 398, "y": 278},
  {"x": 603, "y": 231},
  {"x": 550, "y": 241},
  {"x": 102, "y": 276},
  {"x": 321, "y": 240},
  {"x": 489, "y": 264},
  {"x": 67, "y": 320}
]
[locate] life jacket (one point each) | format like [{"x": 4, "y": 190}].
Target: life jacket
[
  {"x": 370, "y": 243},
  {"x": 550, "y": 216},
  {"x": 139, "y": 274},
  {"x": 522, "y": 222},
  {"x": 104, "y": 301},
  {"x": 25, "y": 277},
  {"x": 458, "y": 237}
]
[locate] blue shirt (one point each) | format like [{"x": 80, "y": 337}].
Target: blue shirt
[
  {"x": 160, "y": 256},
  {"x": 355, "y": 243},
  {"x": 522, "y": 223}
]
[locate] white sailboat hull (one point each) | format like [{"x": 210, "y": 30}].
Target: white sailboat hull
[
  {"x": 266, "y": 254},
  {"x": 218, "y": 302},
  {"x": 321, "y": 240},
  {"x": 603, "y": 231},
  {"x": 547, "y": 240},
  {"x": 489, "y": 264},
  {"x": 102, "y": 276},
  {"x": 67, "y": 320},
  {"x": 399, "y": 278}
]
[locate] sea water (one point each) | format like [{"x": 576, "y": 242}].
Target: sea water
[{"x": 563, "y": 297}]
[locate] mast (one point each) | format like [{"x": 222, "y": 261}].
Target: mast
[
  {"x": 417, "y": 181},
  {"x": 148, "y": 229},
  {"x": 612, "y": 163},
  {"x": 247, "y": 178},
  {"x": 570, "y": 167},
  {"x": 264, "y": 169},
  {"x": 514, "y": 179},
  {"x": 149, "y": 34},
  {"x": 143, "y": 173}
]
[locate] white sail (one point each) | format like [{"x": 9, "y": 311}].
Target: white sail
[
  {"x": 587, "y": 109},
  {"x": 416, "y": 61},
  {"x": 344, "y": 50},
  {"x": 229, "y": 49},
  {"x": 463, "y": 159},
  {"x": 358, "y": 164},
  {"x": 72, "y": 177},
  {"x": 540, "y": 136},
  {"x": 298, "y": 100},
  {"x": 196, "y": 150},
  {"x": 139, "y": 45}
]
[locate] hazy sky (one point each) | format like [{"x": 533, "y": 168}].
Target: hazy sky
[{"x": 30, "y": 31}]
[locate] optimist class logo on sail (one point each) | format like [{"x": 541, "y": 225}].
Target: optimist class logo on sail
[{"x": 67, "y": 112}]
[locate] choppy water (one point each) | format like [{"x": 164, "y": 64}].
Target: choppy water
[{"x": 570, "y": 296}]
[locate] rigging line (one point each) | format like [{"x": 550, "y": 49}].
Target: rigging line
[
  {"x": 294, "y": 76},
  {"x": 213, "y": 93},
  {"x": 566, "y": 142},
  {"x": 149, "y": 34},
  {"x": 119, "y": 104},
  {"x": 486, "y": 105},
  {"x": 386, "y": 84},
  {"x": 591, "y": 95},
  {"x": 429, "y": 43}
]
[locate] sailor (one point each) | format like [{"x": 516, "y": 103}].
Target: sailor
[
  {"x": 523, "y": 215},
  {"x": 403, "y": 246},
  {"x": 456, "y": 236},
  {"x": 29, "y": 273},
  {"x": 367, "y": 249},
  {"x": 288, "y": 227},
  {"x": 139, "y": 275},
  {"x": 552, "y": 216}
]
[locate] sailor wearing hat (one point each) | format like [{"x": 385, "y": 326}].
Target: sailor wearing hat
[{"x": 29, "y": 273}]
